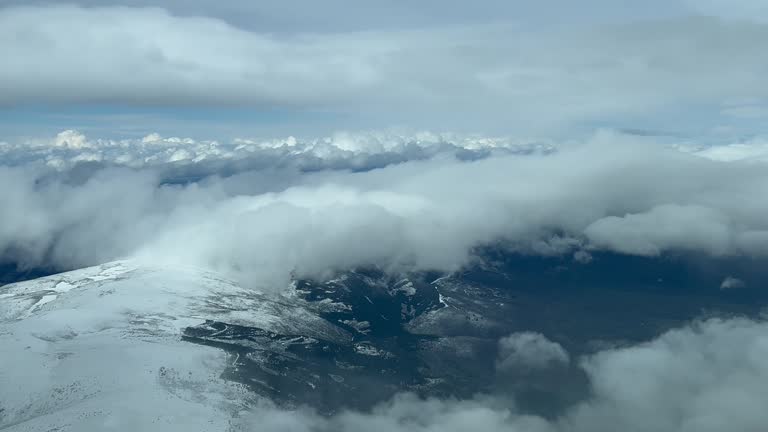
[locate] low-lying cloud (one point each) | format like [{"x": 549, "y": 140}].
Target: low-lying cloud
[
  {"x": 528, "y": 350},
  {"x": 611, "y": 192}
]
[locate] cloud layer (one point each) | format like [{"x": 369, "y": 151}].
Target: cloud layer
[
  {"x": 427, "y": 206},
  {"x": 477, "y": 74},
  {"x": 341, "y": 150}
]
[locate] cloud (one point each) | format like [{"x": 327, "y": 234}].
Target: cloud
[
  {"x": 403, "y": 413},
  {"x": 705, "y": 377},
  {"x": 70, "y": 139},
  {"x": 755, "y": 149},
  {"x": 67, "y": 53},
  {"x": 295, "y": 209},
  {"x": 695, "y": 228},
  {"x": 475, "y": 74},
  {"x": 731, "y": 282},
  {"x": 192, "y": 158},
  {"x": 528, "y": 350}
]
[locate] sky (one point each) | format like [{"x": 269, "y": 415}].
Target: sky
[{"x": 234, "y": 69}]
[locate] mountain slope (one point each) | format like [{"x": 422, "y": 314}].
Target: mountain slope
[{"x": 101, "y": 347}]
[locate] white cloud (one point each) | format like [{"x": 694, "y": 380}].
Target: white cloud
[
  {"x": 755, "y": 149},
  {"x": 664, "y": 227},
  {"x": 731, "y": 282},
  {"x": 528, "y": 350},
  {"x": 71, "y": 139}
]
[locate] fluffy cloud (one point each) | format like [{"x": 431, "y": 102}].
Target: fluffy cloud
[
  {"x": 529, "y": 350},
  {"x": 70, "y": 139},
  {"x": 664, "y": 227}
]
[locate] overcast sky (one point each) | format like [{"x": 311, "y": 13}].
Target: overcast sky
[{"x": 223, "y": 69}]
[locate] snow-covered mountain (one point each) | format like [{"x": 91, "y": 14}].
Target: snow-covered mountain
[
  {"x": 101, "y": 346},
  {"x": 138, "y": 347},
  {"x": 134, "y": 346}
]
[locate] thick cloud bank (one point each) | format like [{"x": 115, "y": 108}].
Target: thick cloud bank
[
  {"x": 708, "y": 377},
  {"x": 66, "y": 54},
  {"x": 430, "y": 211}
]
